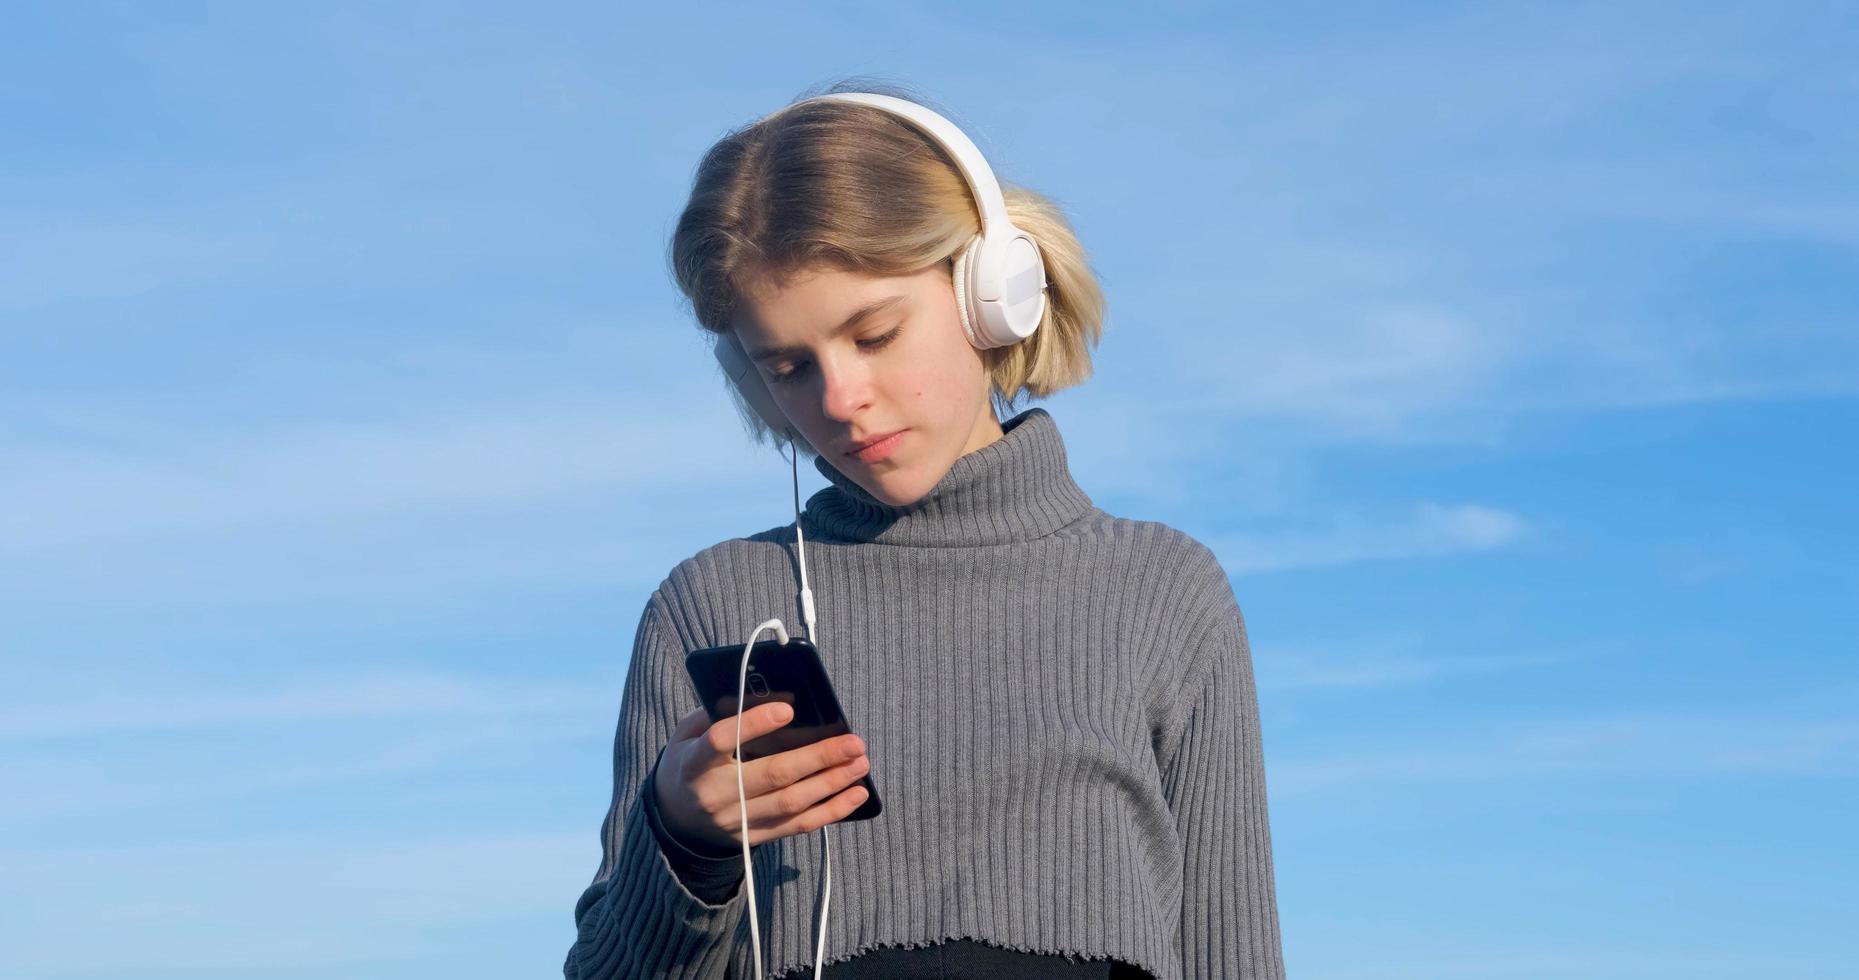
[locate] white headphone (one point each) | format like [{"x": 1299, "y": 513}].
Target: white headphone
[
  {"x": 1000, "y": 278},
  {"x": 1000, "y": 289}
]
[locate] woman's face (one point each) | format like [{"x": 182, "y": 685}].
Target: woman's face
[{"x": 905, "y": 366}]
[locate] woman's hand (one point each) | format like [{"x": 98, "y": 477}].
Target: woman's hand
[{"x": 696, "y": 780}]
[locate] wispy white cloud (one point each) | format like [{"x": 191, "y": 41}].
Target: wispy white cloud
[
  {"x": 494, "y": 464},
  {"x": 258, "y": 762},
  {"x": 258, "y": 902},
  {"x": 1593, "y": 961},
  {"x": 1727, "y": 743},
  {"x": 161, "y": 745},
  {"x": 1290, "y": 671},
  {"x": 62, "y": 258},
  {"x": 1430, "y": 530},
  {"x": 327, "y": 473},
  {"x": 372, "y": 694},
  {"x": 1452, "y": 231},
  {"x": 1365, "y": 371}
]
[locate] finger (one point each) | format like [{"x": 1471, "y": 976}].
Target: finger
[
  {"x": 768, "y": 809},
  {"x": 774, "y": 773},
  {"x": 832, "y": 811},
  {"x": 719, "y": 742}
]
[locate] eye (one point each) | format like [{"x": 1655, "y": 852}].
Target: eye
[
  {"x": 878, "y": 342},
  {"x": 875, "y": 343}
]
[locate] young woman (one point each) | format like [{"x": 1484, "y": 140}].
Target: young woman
[{"x": 1057, "y": 703}]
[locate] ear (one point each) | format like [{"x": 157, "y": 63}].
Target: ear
[{"x": 742, "y": 373}]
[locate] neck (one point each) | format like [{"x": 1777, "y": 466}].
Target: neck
[{"x": 986, "y": 432}]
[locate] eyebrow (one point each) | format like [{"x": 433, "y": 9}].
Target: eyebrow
[{"x": 858, "y": 316}]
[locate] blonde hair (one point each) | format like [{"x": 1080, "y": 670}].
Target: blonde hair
[{"x": 834, "y": 185}]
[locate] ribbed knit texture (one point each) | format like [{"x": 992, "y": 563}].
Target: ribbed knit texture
[{"x": 1060, "y": 713}]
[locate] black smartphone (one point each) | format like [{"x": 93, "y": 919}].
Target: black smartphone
[{"x": 790, "y": 672}]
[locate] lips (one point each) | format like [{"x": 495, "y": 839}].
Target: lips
[{"x": 854, "y": 449}]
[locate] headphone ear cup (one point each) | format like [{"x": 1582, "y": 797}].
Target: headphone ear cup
[
  {"x": 963, "y": 268},
  {"x": 1001, "y": 288},
  {"x": 1007, "y": 285}
]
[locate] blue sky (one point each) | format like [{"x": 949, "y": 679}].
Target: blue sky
[{"x": 1506, "y": 355}]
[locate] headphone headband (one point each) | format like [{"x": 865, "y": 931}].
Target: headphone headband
[
  {"x": 974, "y": 166},
  {"x": 1000, "y": 276}
]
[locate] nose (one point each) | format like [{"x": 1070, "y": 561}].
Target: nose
[{"x": 845, "y": 389}]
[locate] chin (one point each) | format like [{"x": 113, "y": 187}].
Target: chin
[{"x": 896, "y": 488}]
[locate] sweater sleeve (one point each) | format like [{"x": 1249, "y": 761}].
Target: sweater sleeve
[
  {"x": 706, "y": 872},
  {"x": 638, "y": 918},
  {"x": 1215, "y": 784}
]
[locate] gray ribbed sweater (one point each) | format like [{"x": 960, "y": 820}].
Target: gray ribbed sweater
[{"x": 1059, "y": 709}]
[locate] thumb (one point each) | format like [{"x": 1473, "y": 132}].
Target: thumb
[{"x": 693, "y": 724}]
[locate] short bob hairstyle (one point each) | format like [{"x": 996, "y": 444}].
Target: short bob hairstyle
[{"x": 853, "y": 188}]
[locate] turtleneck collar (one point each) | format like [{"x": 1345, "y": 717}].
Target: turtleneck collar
[{"x": 1013, "y": 489}]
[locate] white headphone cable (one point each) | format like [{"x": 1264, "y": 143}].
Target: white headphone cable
[{"x": 742, "y": 796}]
